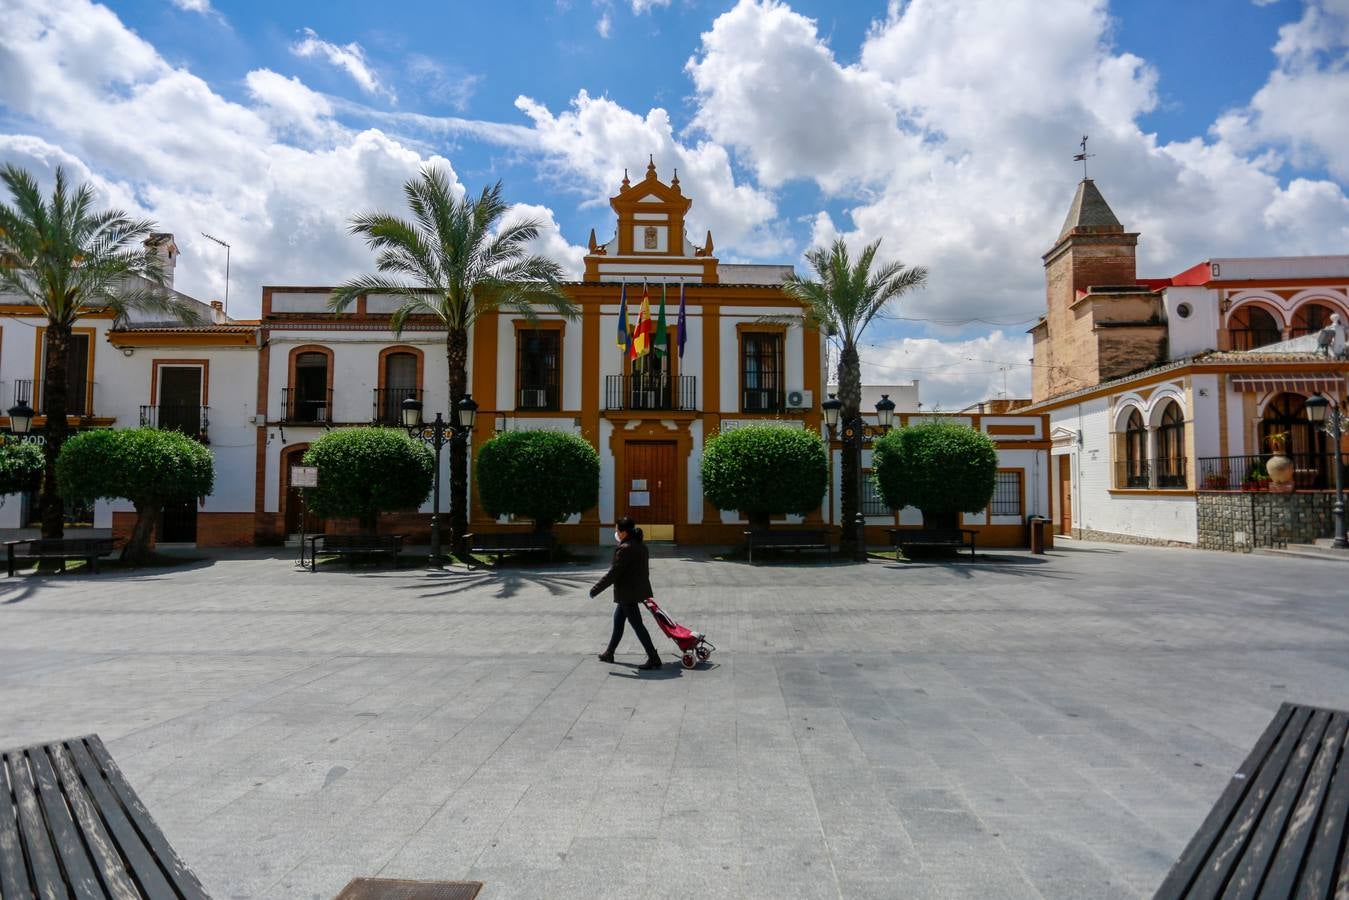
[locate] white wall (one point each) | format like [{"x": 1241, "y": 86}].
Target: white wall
[{"x": 1199, "y": 331}]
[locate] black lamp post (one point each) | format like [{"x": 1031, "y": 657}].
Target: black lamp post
[
  {"x": 1317, "y": 407},
  {"x": 438, "y": 434},
  {"x": 853, "y": 436},
  {"x": 21, "y": 417}
]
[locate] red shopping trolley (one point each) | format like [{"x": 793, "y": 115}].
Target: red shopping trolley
[{"x": 692, "y": 644}]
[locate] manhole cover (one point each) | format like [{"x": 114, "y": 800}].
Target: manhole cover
[{"x": 400, "y": 889}]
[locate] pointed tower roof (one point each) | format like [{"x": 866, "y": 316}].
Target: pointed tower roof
[{"x": 1089, "y": 213}]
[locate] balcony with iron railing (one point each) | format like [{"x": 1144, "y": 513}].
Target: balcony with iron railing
[
  {"x": 655, "y": 391},
  {"x": 79, "y": 397},
  {"x": 306, "y": 407},
  {"x": 1311, "y": 472},
  {"x": 1154, "y": 474},
  {"x": 190, "y": 419},
  {"x": 388, "y": 404}
]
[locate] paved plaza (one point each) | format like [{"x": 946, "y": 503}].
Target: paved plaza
[{"x": 1016, "y": 727}]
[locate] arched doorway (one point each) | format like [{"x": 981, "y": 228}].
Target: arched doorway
[
  {"x": 1171, "y": 447},
  {"x": 1304, "y": 444},
  {"x": 292, "y": 500},
  {"x": 1252, "y": 326}
]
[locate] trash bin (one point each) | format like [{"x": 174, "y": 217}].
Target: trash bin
[{"x": 1037, "y": 533}]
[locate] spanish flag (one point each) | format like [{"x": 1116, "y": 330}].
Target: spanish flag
[{"x": 644, "y": 331}]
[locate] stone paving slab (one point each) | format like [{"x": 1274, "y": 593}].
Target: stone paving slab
[{"x": 1014, "y": 727}]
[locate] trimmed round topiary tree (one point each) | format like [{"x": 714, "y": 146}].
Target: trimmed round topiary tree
[
  {"x": 940, "y": 468},
  {"x": 147, "y": 466},
  {"x": 20, "y": 466},
  {"x": 544, "y": 476},
  {"x": 366, "y": 471},
  {"x": 765, "y": 471}
]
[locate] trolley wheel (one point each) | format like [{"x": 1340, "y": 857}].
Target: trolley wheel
[
  {"x": 689, "y": 661},
  {"x": 704, "y": 653}
]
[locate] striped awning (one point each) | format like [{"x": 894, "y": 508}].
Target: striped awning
[{"x": 1297, "y": 382}]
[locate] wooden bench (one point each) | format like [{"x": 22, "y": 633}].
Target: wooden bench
[
  {"x": 1279, "y": 827},
  {"x": 503, "y": 543},
  {"x": 87, "y": 549},
  {"x": 354, "y": 545},
  {"x": 787, "y": 539},
  {"x": 933, "y": 537},
  {"x": 71, "y": 826}
]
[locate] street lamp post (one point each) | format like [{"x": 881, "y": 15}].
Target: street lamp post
[
  {"x": 439, "y": 433},
  {"x": 1317, "y": 407},
  {"x": 853, "y": 436}
]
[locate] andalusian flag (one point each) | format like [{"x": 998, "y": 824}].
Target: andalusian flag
[
  {"x": 642, "y": 331},
  {"x": 624, "y": 335},
  {"x": 682, "y": 337},
  {"x": 662, "y": 332}
]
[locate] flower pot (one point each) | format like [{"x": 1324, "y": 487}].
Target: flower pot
[{"x": 1280, "y": 469}]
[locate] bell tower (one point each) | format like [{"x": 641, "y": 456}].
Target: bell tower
[{"x": 650, "y": 241}]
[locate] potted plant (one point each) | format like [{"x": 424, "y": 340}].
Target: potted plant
[
  {"x": 1279, "y": 467},
  {"x": 1215, "y": 482}
]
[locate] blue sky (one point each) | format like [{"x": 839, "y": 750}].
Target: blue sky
[{"x": 943, "y": 127}]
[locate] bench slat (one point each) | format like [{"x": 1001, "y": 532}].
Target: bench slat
[
  {"x": 1266, "y": 837},
  {"x": 140, "y": 859},
  {"x": 13, "y": 874},
  {"x": 101, "y": 847},
  {"x": 46, "y": 871},
  {"x": 184, "y": 879},
  {"x": 1283, "y": 873},
  {"x": 1319, "y": 876},
  {"x": 1226, "y": 853},
  {"x": 79, "y": 874}
]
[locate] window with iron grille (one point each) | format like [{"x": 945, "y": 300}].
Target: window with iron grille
[
  {"x": 1007, "y": 495},
  {"x": 538, "y": 368},
  {"x": 761, "y": 372},
  {"x": 873, "y": 504}
]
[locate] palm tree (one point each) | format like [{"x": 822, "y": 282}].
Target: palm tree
[
  {"x": 455, "y": 261},
  {"x": 68, "y": 259},
  {"x": 843, "y": 301}
]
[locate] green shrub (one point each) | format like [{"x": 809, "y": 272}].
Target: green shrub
[
  {"x": 942, "y": 469},
  {"x": 366, "y": 471},
  {"x": 545, "y": 476},
  {"x": 765, "y": 471},
  {"x": 20, "y": 466},
  {"x": 147, "y": 466}
]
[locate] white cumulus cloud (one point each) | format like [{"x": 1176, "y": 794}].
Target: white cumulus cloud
[{"x": 348, "y": 57}]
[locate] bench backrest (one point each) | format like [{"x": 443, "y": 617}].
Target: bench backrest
[
  {"x": 800, "y": 536},
  {"x": 66, "y": 808},
  {"x": 73, "y": 546},
  {"x": 507, "y": 539},
  {"x": 1279, "y": 826},
  {"x": 360, "y": 541}
]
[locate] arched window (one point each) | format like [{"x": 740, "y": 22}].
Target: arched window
[
  {"x": 1170, "y": 460},
  {"x": 1303, "y": 443},
  {"x": 1252, "y": 326},
  {"x": 1135, "y": 451},
  {"x": 399, "y": 380},
  {"x": 1310, "y": 318}
]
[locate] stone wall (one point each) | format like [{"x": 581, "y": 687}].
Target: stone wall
[{"x": 1242, "y": 521}]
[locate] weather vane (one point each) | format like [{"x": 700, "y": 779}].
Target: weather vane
[{"x": 1083, "y": 157}]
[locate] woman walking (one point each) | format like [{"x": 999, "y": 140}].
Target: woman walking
[{"x": 631, "y": 579}]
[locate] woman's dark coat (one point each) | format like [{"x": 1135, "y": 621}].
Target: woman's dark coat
[{"x": 629, "y": 573}]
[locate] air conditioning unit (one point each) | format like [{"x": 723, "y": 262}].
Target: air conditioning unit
[
  {"x": 800, "y": 399},
  {"x": 533, "y": 398}
]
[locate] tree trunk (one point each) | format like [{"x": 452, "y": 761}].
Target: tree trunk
[
  {"x": 850, "y": 395},
  {"x": 758, "y": 521},
  {"x": 456, "y": 354},
  {"x": 53, "y": 404},
  {"x": 137, "y": 550}
]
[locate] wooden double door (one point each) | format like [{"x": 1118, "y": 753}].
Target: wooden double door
[{"x": 650, "y": 490}]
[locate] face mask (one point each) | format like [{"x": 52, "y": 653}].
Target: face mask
[{"x": 618, "y": 538}]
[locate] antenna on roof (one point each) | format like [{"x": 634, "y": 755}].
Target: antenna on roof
[
  {"x": 1083, "y": 157},
  {"x": 227, "y": 269}
]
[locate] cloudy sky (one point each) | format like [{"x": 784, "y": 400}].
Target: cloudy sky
[{"x": 944, "y": 127}]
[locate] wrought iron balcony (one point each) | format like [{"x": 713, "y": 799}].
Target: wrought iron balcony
[
  {"x": 191, "y": 420},
  {"x": 301, "y": 407},
  {"x": 388, "y": 404},
  {"x": 654, "y": 391},
  {"x": 1311, "y": 472},
  {"x": 78, "y": 397}
]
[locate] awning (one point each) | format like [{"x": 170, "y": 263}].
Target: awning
[{"x": 1301, "y": 383}]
